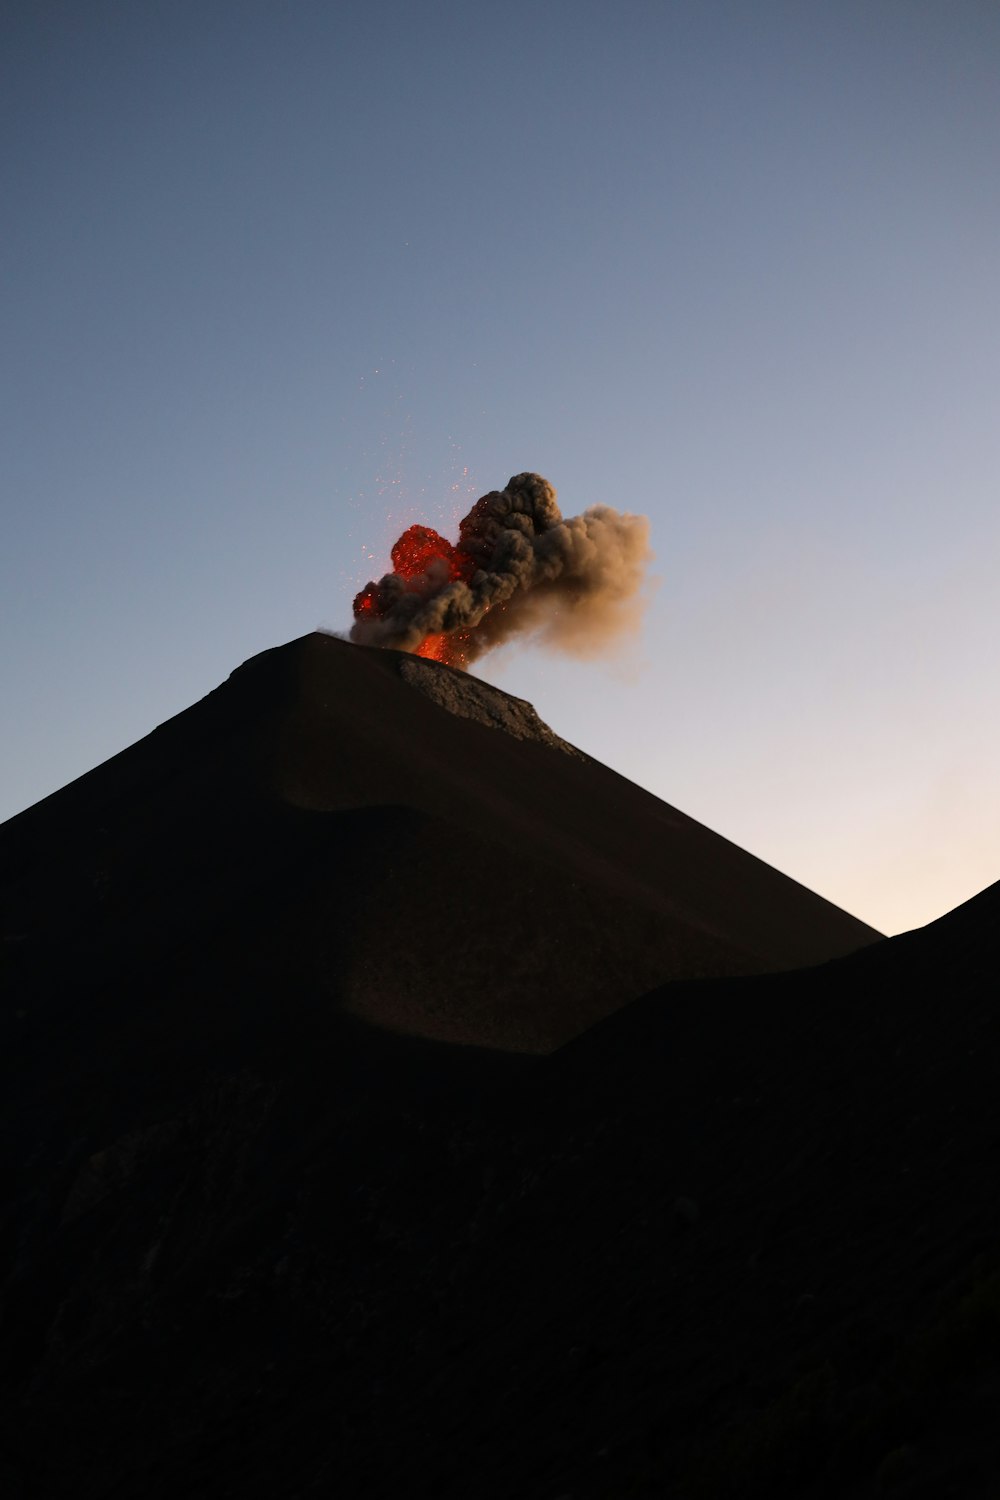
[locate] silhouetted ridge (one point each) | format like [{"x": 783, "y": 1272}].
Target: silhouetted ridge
[
  {"x": 516, "y": 894},
  {"x": 737, "y": 1238}
]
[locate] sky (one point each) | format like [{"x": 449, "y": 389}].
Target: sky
[{"x": 279, "y": 277}]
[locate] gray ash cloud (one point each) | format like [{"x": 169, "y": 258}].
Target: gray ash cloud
[{"x": 519, "y": 567}]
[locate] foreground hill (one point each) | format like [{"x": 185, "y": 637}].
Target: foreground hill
[
  {"x": 741, "y": 1239},
  {"x": 737, "y": 1238}
]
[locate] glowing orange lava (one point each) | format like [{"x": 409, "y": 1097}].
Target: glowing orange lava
[
  {"x": 426, "y": 562},
  {"x": 434, "y": 648},
  {"x": 420, "y": 546},
  {"x": 452, "y": 650}
]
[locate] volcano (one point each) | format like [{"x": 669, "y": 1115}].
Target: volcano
[
  {"x": 405, "y": 842},
  {"x": 397, "y": 1101}
]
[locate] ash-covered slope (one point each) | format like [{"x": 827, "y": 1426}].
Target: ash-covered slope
[
  {"x": 359, "y": 829},
  {"x": 739, "y": 1240}
]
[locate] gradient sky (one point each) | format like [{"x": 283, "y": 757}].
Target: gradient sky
[{"x": 279, "y": 278}]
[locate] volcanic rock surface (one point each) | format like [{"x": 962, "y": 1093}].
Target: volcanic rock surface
[
  {"x": 470, "y": 698},
  {"x": 738, "y": 1237},
  {"x": 396, "y": 838}
]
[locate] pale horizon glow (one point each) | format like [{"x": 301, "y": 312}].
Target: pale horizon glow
[{"x": 279, "y": 280}]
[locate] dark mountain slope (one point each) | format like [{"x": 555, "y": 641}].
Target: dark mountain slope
[
  {"x": 740, "y": 1239},
  {"x": 406, "y": 841},
  {"x": 736, "y": 1238}
]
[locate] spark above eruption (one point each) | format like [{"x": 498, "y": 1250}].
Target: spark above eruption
[{"x": 518, "y": 567}]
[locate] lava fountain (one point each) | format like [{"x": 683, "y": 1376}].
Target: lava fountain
[{"x": 518, "y": 566}]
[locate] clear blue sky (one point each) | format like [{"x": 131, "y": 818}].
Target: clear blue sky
[{"x": 278, "y": 278}]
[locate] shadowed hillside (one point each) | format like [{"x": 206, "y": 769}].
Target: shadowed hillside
[
  {"x": 410, "y": 843},
  {"x": 735, "y": 1238}
]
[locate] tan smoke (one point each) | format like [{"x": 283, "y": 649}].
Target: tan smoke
[{"x": 519, "y": 567}]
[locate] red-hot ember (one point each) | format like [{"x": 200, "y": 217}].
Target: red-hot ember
[
  {"x": 422, "y": 559},
  {"x": 452, "y": 649},
  {"x": 420, "y": 547},
  {"x": 434, "y": 648}
]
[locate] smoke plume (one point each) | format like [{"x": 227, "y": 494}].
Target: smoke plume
[{"x": 519, "y": 567}]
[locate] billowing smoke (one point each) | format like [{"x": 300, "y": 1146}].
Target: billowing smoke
[{"x": 518, "y": 567}]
